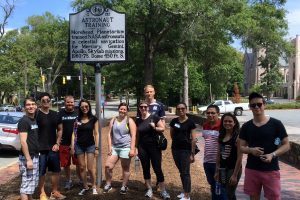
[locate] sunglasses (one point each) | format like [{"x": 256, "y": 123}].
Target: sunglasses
[
  {"x": 45, "y": 100},
  {"x": 143, "y": 107},
  {"x": 211, "y": 113},
  {"x": 253, "y": 105},
  {"x": 84, "y": 107},
  {"x": 180, "y": 108}
]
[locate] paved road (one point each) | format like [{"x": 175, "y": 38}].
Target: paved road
[{"x": 7, "y": 158}]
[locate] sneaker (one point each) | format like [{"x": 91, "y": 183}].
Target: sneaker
[
  {"x": 183, "y": 198},
  {"x": 83, "y": 191},
  {"x": 149, "y": 193},
  {"x": 43, "y": 197},
  {"x": 165, "y": 195},
  {"x": 180, "y": 196},
  {"x": 107, "y": 188},
  {"x": 95, "y": 191},
  {"x": 68, "y": 185},
  {"x": 57, "y": 195},
  {"x": 123, "y": 190}
]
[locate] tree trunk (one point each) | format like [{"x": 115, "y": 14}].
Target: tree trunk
[
  {"x": 148, "y": 60},
  {"x": 185, "y": 79}
]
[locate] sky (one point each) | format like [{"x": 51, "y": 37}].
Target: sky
[{"x": 62, "y": 8}]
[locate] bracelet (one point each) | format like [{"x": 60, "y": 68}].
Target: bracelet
[
  {"x": 274, "y": 155},
  {"x": 96, "y": 148},
  {"x": 57, "y": 144}
]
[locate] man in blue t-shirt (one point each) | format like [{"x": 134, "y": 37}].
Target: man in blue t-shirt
[
  {"x": 155, "y": 107},
  {"x": 264, "y": 139}
]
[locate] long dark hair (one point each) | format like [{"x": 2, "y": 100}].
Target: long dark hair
[
  {"x": 89, "y": 114},
  {"x": 236, "y": 128}
]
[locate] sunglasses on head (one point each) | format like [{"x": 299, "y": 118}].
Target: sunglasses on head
[
  {"x": 253, "y": 105},
  {"x": 46, "y": 100}
]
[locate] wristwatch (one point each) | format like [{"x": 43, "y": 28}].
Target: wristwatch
[
  {"x": 96, "y": 148},
  {"x": 274, "y": 155}
]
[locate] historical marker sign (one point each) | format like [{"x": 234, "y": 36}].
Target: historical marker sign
[{"x": 97, "y": 35}]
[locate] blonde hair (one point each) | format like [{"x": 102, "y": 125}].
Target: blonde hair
[{"x": 148, "y": 86}]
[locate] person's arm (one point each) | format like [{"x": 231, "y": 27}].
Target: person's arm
[
  {"x": 233, "y": 179},
  {"x": 132, "y": 128},
  {"x": 96, "y": 136},
  {"x": 25, "y": 150},
  {"x": 194, "y": 140},
  {"x": 281, "y": 150},
  {"x": 216, "y": 176},
  {"x": 159, "y": 127},
  {"x": 255, "y": 151},
  {"x": 58, "y": 137}
]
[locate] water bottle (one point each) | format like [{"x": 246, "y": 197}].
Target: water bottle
[
  {"x": 218, "y": 188},
  {"x": 136, "y": 164}
]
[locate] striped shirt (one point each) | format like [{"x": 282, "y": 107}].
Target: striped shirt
[{"x": 210, "y": 134}]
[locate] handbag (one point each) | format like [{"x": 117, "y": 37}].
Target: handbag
[{"x": 162, "y": 141}]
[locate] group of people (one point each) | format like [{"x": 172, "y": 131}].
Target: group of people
[
  {"x": 263, "y": 138},
  {"x": 49, "y": 141}
]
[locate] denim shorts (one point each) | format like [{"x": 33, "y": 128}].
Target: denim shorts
[
  {"x": 49, "y": 160},
  {"x": 121, "y": 152},
  {"x": 81, "y": 150}
]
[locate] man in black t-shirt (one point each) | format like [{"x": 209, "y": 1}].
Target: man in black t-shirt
[
  {"x": 49, "y": 141},
  {"x": 29, "y": 158},
  {"x": 66, "y": 120},
  {"x": 263, "y": 139}
]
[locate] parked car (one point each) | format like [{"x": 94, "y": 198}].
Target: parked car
[
  {"x": 9, "y": 134},
  {"x": 270, "y": 101},
  {"x": 7, "y": 108},
  {"x": 227, "y": 106}
]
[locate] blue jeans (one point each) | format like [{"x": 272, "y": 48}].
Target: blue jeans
[{"x": 210, "y": 169}]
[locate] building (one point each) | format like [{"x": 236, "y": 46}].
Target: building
[
  {"x": 294, "y": 71},
  {"x": 253, "y": 70}
]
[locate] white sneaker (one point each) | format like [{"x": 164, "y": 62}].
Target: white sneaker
[
  {"x": 180, "y": 196},
  {"x": 165, "y": 195},
  {"x": 183, "y": 198},
  {"x": 83, "y": 191},
  {"x": 95, "y": 191},
  {"x": 149, "y": 193}
]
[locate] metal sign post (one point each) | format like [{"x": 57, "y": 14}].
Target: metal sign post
[{"x": 97, "y": 36}]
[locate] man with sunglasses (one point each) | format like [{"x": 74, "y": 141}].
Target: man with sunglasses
[
  {"x": 264, "y": 139},
  {"x": 49, "y": 141}
]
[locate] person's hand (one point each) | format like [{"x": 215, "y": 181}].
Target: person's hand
[
  {"x": 257, "y": 151},
  {"x": 233, "y": 180},
  {"x": 96, "y": 152},
  {"x": 267, "y": 158},
  {"x": 216, "y": 176},
  {"x": 55, "y": 147},
  {"x": 192, "y": 158},
  {"x": 29, "y": 164},
  {"x": 132, "y": 153}
]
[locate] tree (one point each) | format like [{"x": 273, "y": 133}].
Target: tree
[
  {"x": 266, "y": 31},
  {"x": 7, "y": 8},
  {"x": 50, "y": 35}
]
